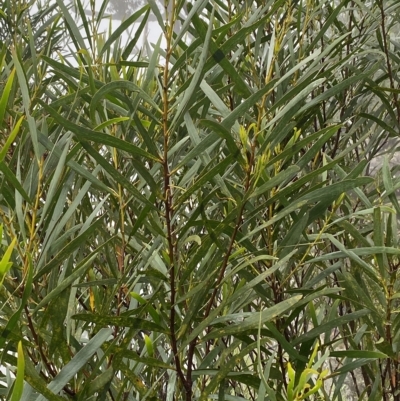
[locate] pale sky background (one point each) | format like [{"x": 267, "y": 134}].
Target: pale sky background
[{"x": 152, "y": 31}]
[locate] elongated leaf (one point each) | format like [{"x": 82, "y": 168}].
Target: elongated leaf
[
  {"x": 77, "y": 362},
  {"x": 122, "y": 180},
  {"x": 358, "y": 354},
  {"x": 133, "y": 378},
  {"x": 33, "y": 378},
  {"x": 16, "y": 316},
  {"x": 19, "y": 380},
  {"x": 76, "y": 35},
  {"x": 252, "y": 322},
  {"x": 332, "y": 91},
  {"x": 147, "y": 361},
  {"x": 74, "y": 165},
  {"x": 89, "y": 135},
  {"x": 78, "y": 272},
  {"x": 316, "y": 331},
  {"x": 246, "y": 105},
  {"x": 284, "y": 175},
  {"x": 351, "y": 366},
  {"x": 364, "y": 251},
  {"x": 68, "y": 249},
  {"x": 110, "y": 122},
  {"x": 331, "y": 192},
  {"x": 189, "y": 94},
  {"x": 219, "y": 57},
  {"x": 5, "y": 96},
  {"x": 196, "y": 9},
  {"x": 5, "y": 263},
  {"x": 219, "y": 168},
  {"x": 122, "y": 28},
  {"x": 205, "y": 144},
  {"x": 13, "y": 180},
  {"x": 101, "y": 381},
  {"x": 119, "y": 85},
  {"x": 10, "y": 139},
  {"x": 121, "y": 321}
]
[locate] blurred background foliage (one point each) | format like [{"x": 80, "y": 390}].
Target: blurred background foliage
[{"x": 208, "y": 215}]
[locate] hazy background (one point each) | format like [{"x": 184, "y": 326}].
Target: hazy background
[{"x": 119, "y": 10}]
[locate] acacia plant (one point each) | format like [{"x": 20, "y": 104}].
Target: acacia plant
[{"x": 194, "y": 220}]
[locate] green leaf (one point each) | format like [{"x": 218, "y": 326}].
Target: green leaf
[
  {"x": 74, "y": 165},
  {"x": 77, "y": 273},
  {"x": 5, "y": 97},
  {"x": 198, "y": 75},
  {"x": 149, "y": 345},
  {"x": 120, "y": 321},
  {"x": 13, "y": 180},
  {"x": 19, "y": 379},
  {"x": 15, "y": 318},
  {"x": 26, "y": 98},
  {"x": 77, "y": 362},
  {"x": 196, "y": 9},
  {"x": 100, "y": 382},
  {"x": 219, "y": 57},
  {"x": 117, "y": 176},
  {"x": 246, "y": 105},
  {"x": 119, "y": 85},
  {"x": 351, "y": 366},
  {"x": 358, "y": 354},
  {"x": 112, "y": 121},
  {"x": 275, "y": 181},
  {"x": 332, "y": 91},
  {"x": 252, "y": 322},
  {"x": 103, "y": 139},
  {"x": 330, "y": 193},
  {"x": 219, "y": 168},
  {"x": 33, "y": 378},
  {"x": 388, "y": 184},
  {"x": 156, "y": 10},
  {"x": 5, "y": 264},
  {"x": 75, "y": 32},
  {"x": 10, "y": 139},
  {"x": 134, "y": 379},
  {"x": 338, "y": 322},
  {"x": 68, "y": 249},
  {"x": 116, "y": 35},
  {"x": 146, "y": 361}
]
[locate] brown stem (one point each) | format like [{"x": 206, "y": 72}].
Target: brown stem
[
  {"x": 168, "y": 204},
  {"x": 388, "y": 64},
  {"x": 38, "y": 343},
  {"x": 223, "y": 267},
  {"x": 225, "y": 261}
]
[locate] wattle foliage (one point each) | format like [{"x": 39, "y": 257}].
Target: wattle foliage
[{"x": 195, "y": 218}]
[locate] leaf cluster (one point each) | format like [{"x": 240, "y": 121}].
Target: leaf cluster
[{"x": 189, "y": 220}]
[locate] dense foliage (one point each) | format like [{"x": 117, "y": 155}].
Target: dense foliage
[{"x": 196, "y": 218}]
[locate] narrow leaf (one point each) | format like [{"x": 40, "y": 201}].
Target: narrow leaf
[
  {"x": 252, "y": 322},
  {"x": 77, "y": 362},
  {"x": 5, "y": 96},
  {"x": 120, "y": 321},
  {"x": 19, "y": 380}
]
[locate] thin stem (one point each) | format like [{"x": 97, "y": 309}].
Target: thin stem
[
  {"x": 224, "y": 263},
  {"x": 388, "y": 64},
  {"x": 168, "y": 199}
]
